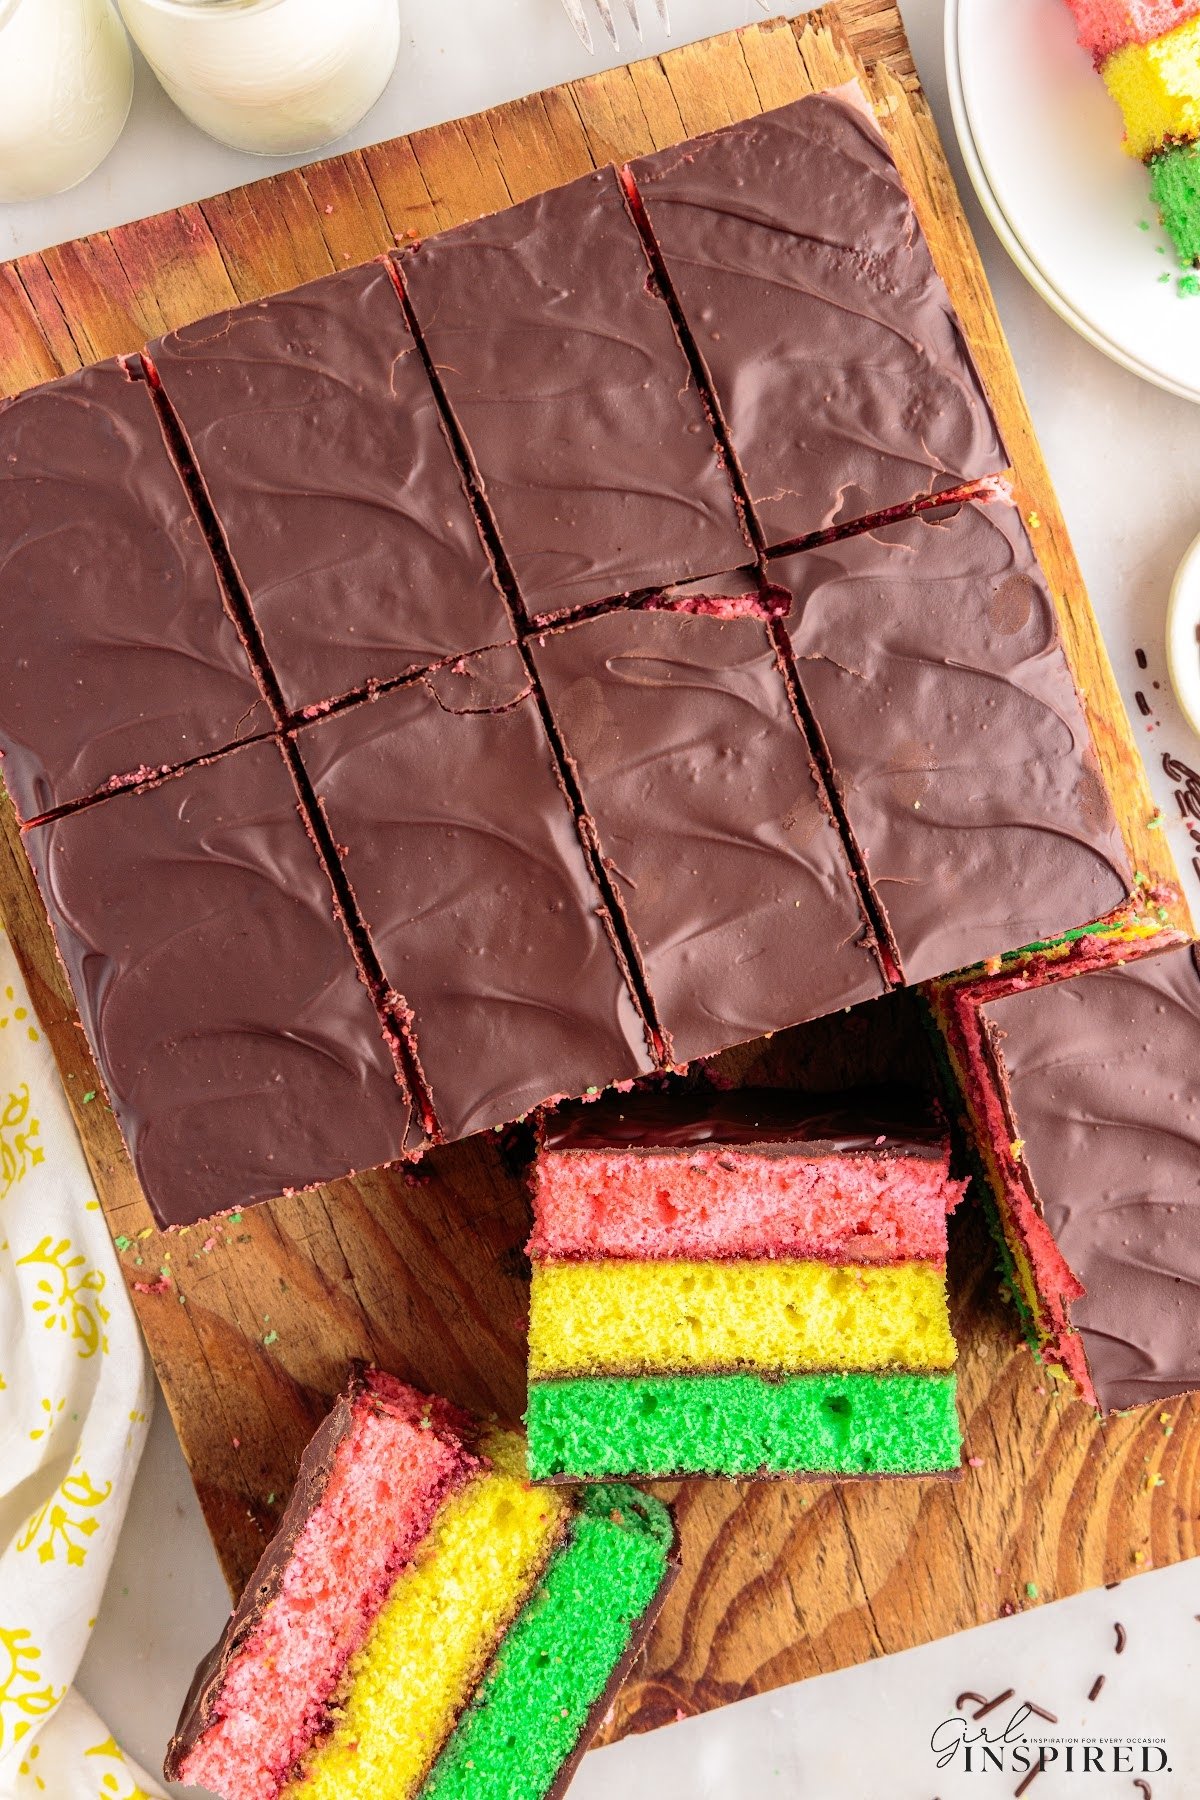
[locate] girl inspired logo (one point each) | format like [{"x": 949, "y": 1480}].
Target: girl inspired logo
[{"x": 1004, "y": 1745}]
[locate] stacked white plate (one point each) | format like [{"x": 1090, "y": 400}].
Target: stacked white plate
[{"x": 1042, "y": 143}]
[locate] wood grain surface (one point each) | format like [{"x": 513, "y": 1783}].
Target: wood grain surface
[{"x": 251, "y": 1321}]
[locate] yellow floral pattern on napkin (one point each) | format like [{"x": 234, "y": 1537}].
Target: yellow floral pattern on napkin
[{"x": 74, "y": 1407}]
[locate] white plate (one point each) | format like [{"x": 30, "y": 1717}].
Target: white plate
[{"x": 1042, "y": 143}]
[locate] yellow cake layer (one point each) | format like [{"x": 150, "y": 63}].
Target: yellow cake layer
[
  {"x": 618, "y": 1317},
  {"x": 435, "y": 1634},
  {"x": 1157, "y": 87}
]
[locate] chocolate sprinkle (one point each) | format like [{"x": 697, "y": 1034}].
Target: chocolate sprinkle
[
  {"x": 1143, "y": 704},
  {"x": 1094, "y": 1690},
  {"x": 1120, "y": 1631},
  {"x": 1028, "y": 1781},
  {"x": 991, "y": 1705}
]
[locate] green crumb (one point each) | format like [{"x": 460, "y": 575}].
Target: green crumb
[
  {"x": 123, "y": 1243},
  {"x": 1175, "y": 190},
  {"x": 1164, "y": 277},
  {"x": 1031, "y": 1590},
  {"x": 1143, "y": 224},
  {"x": 555, "y": 1662},
  {"x": 272, "y": 1337},
  {"x": 235, "y": 1218},
  {"x": 271, "y": 1498},
  {"x": 1188, "y": 284},
  {"x": 89, "y": 1096}
]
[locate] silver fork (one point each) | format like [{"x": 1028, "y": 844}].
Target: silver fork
[{"x": 578, "y": 17}]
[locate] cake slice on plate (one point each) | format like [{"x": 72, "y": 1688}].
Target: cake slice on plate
[
  {"x": 425, "y": 1622},
  {"x": 1148, "y": 52},
  {"x": 1081, "y": 1091},
  {"x": 748, "y": 1283}
]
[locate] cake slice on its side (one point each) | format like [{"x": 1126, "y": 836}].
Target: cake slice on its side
[
  {"x": 425, "y": 1623},
  {"x": 1079, "y": 1090},
  {"x": 1148, "y": 52},
  {"x": 742, "y": 1284}
]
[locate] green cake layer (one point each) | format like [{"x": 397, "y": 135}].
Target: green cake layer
[
  {"x": 835, "y": 1424},
  {"x": 559, "y": 1656},
  {"x": 1175, "y": 185}
]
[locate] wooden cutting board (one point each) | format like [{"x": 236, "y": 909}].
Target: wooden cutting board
[{"x": 251, "y": 1322}]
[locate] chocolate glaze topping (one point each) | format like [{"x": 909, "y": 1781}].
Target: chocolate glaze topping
[
  {"x": 574, "y": 397},
  {"x": 930, "y": 657},
  {"x": 242, "y": 1053},
  {"x": 878, "y": 1122},
  {"x": 365, "y": 1387},
  {"x": 467, "y": 868},
  {"x": 828, "y": 337},
  {"x": 313, "y": 425},
  {"x": 699, "y": 783},
  {"x": 121, "y": 654},
  {"x": 1099, "y": 1077}
]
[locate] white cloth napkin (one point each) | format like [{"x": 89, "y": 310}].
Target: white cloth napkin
[{"x": 75, "y": 1396}]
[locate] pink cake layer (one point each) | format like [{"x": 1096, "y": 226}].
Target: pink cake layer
[
  {"x": 393, "y": 1467},
  {"x": 723, "y": 1201},
  {"x": 1108, "y": 25}
]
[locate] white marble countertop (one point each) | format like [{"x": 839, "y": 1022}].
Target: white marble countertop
[{"x": 1124, "y": 457}]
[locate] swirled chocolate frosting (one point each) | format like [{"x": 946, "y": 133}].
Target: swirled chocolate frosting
[
  {"x": 241, "y": 1051},
  {"x": 836, "y": 357}
]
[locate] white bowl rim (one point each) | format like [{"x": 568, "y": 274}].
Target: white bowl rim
[{"x": 1183, "y": 634}]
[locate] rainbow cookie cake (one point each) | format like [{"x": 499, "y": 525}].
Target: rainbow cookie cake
[
  {"x": 1076, "y": 1071},
  {"x": 425, "y": 1622},
  {"x": 1148, "y": 52},
  {"x": 742, "y": 1284}
]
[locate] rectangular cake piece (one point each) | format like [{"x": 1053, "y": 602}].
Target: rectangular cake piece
[
  {"x": 425, "y": 1625},
  {"x": 123, "y": 657},
  {"x": 802, "y": 275},
  {"x": 574, "y": 398},
  {"x": 1157, "y": 87},
  {"x": 242, "y": 1054},
  {"x": 316, "y": 434},
  {"x": 467, "y": 866},
  {"x": 1081, "y": 1092},
  {"x": 929, "y": 654},
  {"x": 698, "y": 781},
  {"x": 742, "y": 1284}
]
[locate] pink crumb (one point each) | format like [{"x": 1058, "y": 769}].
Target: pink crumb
[
  {"x": 723, "y": 1201},
  {"x": 975, "y": 1462},
  {"x": 392, "y": 1470}
]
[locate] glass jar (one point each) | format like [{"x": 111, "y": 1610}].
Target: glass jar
[
  {"x": 66, "y": 82},
  {"x": 270, "y": 76}
]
